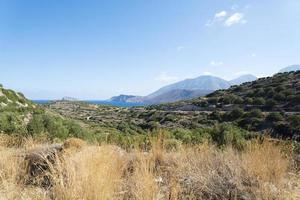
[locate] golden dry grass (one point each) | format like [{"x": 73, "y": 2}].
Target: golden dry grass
[{"x": 103, "y": 172}]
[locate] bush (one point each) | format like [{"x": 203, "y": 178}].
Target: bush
[
  {"x": 226, "y": 134},
  {"x": 236, "y": 114},
  {"x": 3, "y": 99},
  {"x": 275, "y": 117},
  {"x": 36, "y": 125},
  {"x": 255, "y": 113},
  {"x": 11, "y": 122},
  {"x": 294, "y": 120},
  {"x": 271, "y": 103},
  {"x": 280, "y": 97},
  {"x": 259, "y": 101},
  {"x": 248, "y": 101}
]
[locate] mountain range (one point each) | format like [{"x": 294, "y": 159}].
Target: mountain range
[
  {"x": 191, "y": 88},
  {"x": 183, "y": 90}
]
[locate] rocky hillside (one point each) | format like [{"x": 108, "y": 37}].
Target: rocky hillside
[{"x": 12, "y": 99}]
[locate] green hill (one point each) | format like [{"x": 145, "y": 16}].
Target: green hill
[
  {"x": 13, "y": 100},
  {"x": 280, "y": 92},
  {"x": 19, "y": 116},
  {"x": 270, "y": 104}
]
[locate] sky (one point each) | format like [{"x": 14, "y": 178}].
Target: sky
[{"x": 97, "y": 49}]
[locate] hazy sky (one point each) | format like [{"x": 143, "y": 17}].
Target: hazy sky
[{"x": 97, "y": 49}]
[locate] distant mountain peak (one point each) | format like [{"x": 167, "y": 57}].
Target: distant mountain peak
[
  {"x": 242, "y": 79},
  {"x": 205, "y": 82},
  {"x": 290, "y": 68},
  {"x": 186, "y": 89}
]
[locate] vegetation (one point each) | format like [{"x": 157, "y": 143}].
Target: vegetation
[
  {"x": 262, "y": 170},
  {"x": 207, "y": 148},
  {"x": 266, "y": 105}
]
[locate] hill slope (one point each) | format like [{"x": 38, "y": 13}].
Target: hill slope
[
  {"x": 280, "y": 92},
  {"x": 12, "y": 99}
]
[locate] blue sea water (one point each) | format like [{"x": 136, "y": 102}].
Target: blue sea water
[{"x": 96, "y": 102}]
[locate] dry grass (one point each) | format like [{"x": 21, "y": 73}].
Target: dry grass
[{"x": 103, "y": 172}]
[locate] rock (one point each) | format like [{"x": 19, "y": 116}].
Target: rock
[{"x": 40, "y": 163}]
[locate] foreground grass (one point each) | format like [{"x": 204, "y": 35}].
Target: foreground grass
[{"x": 261, "y": 171}]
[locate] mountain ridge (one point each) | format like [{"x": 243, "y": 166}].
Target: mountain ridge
[{"x": 183, "y": 90}]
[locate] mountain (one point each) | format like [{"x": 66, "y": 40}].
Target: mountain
[
  {"x": 183, "y": 90},
  {"x": 243, "y": 79},
  {"x": 280, "y": 92},
  {"x": 207, "y": 83},
  {"x": 175, "y": 95},
  {"x": 290, "y": 68},
  {"x": 270, "y": 105}
]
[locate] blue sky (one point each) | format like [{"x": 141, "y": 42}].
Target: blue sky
[{"x": 97, "y": 49}]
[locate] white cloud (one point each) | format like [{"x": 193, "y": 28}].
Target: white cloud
[
  {"x": 216, "y": 63},
  {"x": 179, "y": 48},
  {"x": 165, "y": 77},
  {"x": 236, "y": 18},
  {"x": 221, "y": 14},
  {"x": 253, "y": 55}
]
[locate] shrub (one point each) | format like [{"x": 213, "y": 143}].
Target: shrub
[
  {"x": 249, "y": 101},
  {"x": 280, "y": 97},
  {"x": 271, "y": 103},
  {"x": 226, "y": 134},
  {"x": 36, "y": 125},
  {"x": 11, "y": 122},
  {"x": 236, "y": 114},
  {"x": 275, "y": 117},
  {"x": 3, "y": 99},
  {"x": 294, "y": 120},
  {"x": 259, "y": 101},
  {"x": 256, "y": 113}
]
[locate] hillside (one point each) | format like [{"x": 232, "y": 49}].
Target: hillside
[
  {"x": 280, "y": 92},
  {"x": 19, "y": 116},
  {"x": 12, "y": 99},
  {"x": 269, "y": 104}
]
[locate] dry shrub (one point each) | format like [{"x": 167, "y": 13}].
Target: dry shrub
[
  {"x": 11, "y": 167},
  {"x": 261, "y": 171},
  {"x": 75, "y": 143},
  {"x": 92, "y": 173}
]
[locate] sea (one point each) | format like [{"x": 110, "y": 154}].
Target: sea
[{"x": 96, "y": 102}]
